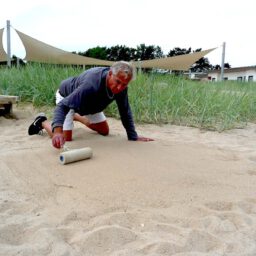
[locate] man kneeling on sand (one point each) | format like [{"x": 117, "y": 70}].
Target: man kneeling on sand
[{"x": 83, "y": 98}]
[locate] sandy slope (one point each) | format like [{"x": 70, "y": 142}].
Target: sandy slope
[{"x": 189, "y": 192}]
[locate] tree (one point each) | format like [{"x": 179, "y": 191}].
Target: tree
[
  {"x": 178, "y": 51},
  {"x": 144, "y": 52},
  {"x": 226, "y": 65},
  {"x": 202, "y": 64},
  {"x": 120, "y": 52},
  {"x": 218, "y": 67},
  {"x": 158, "y": 53},
  {"x": 96, "y": 52}
]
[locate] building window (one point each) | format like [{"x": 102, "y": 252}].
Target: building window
[
  {"x": 250, "y": 78},
  {"x": 225, "y": 78},
  {"x": 239, "y": 78}
]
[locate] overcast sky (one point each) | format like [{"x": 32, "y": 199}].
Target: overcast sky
[{"x": 77, "y": 25}]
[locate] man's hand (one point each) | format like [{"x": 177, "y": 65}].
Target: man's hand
[
  {"x": 58, "y": 140},
  {"x": 144, "y": 139}
]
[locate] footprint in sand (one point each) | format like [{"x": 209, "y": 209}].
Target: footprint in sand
[
  {"x": 103, "y": 239},
  {"x": 220, "y": 206},
  {"x": 251, "y": 172},
  {"x": 252, "y": 158}
]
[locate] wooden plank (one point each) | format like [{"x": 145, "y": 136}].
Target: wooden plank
[
  {"x": 6, "y": 102},
  {"x": 7, "y": 99}
]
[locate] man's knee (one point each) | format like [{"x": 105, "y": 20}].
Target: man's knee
[
  {"x": 102, "y": 128},
  {"x": 104, "y": 132},
  {"x": 67, "y": 135}
]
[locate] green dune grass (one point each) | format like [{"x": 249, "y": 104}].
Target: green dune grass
[{"x": 154, "y": 98}]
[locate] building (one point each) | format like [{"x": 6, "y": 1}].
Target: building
[{"x": 243, "y": 74}]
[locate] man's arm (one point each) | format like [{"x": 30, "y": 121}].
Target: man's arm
[
  {"x": 58, "y": 139},
  {"x": 127, "y": 118},
  {"x": 60, "y": 113},
  {"x": 126, "y": 115}
]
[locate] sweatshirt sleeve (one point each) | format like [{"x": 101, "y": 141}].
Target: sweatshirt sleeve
[
  {"x": 73, "y": 101},
  {"x": 59, "y": 115},
  {"x": 126, "y": 115}
]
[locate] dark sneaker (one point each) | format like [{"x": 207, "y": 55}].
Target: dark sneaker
[{"x": 36, "y": 126}]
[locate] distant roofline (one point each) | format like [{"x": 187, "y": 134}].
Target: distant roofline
[{"x": 227, "y": 70}]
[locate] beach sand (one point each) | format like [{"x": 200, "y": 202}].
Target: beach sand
[{"x": 190, "y": 192}]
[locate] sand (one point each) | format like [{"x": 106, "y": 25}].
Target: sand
[{"x": 190, "y": 192}]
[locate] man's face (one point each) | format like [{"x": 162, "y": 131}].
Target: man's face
[{"x": 117, "y": 83}]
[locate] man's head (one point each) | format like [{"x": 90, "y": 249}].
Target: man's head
[{"x": 119, "y": 76}]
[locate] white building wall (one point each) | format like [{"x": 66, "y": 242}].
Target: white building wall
[
  {"x": 244, "y": 75},
  {"x": 214, "y": 77},
  {"x": 234, "y": 75}
]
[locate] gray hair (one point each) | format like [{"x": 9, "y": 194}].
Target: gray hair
[{"x": 122, "y": 66}]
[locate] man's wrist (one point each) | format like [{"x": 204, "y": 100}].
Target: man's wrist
[{"x": 57, "y": 129}]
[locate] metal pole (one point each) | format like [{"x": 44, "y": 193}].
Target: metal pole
[
  {"x": 222, "y": 61},
  {"x": 8, "y": 44}
]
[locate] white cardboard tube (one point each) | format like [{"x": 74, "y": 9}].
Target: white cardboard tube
[{"x": 74, "y": 155}]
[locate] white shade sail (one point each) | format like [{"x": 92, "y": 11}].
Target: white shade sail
[
  {"x": 181, "y": 62},
  {"x": 42, "y": 52},
  {"x": 3, "y": 55}
]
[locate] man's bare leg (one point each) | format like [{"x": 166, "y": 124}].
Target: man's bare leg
[
  {"x": 102, "y": 127},
  {"x": 47, "y": 126},
  {"x": 41, "y": 122}
]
